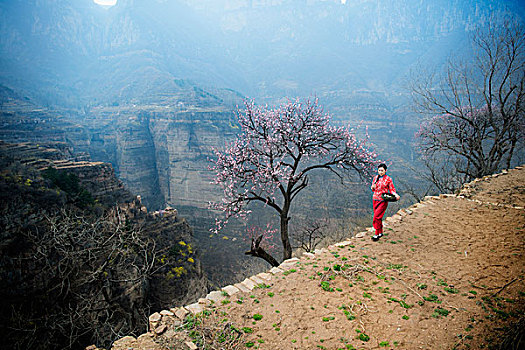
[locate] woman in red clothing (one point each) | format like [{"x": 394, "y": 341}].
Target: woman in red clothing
[{"x": 382, "y": 183}]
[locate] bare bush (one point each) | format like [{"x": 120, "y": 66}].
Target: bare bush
[
  {"x": 476, "y": 108},
  {"x": 78, "y": 280}
]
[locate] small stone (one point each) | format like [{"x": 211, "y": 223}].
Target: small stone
[
  {"x": 343, "y": 244},
  {"x": 257, "y": 280},
  {"x": 170, "y": 333},
  {"x": 274, "y": 270},
  {"x": 264, "y": 276},
  {"x": 181, "y": 313},
  {"x": 360, "y": 234},
  {"x": 166, "y": 313},
  {"x": 288, "y": 261},
  {"x": 91, "y": 347},
  {"x": 320, "y": 251},
  {"x": 161, "y": 329},
  {"x": 408, "y": 211},
  {"x": 309, "y": 255},
  {"x": 204, "y": 301},
  {"x": 123, "y": 341},
  {"x": 145, "y": 336},
  {"x": 215, "y": 296},
  {"x": 248, "y": 283},
  {"x": 191, "y": 345},
  {"x": 231, "y": 290},
  {"x": 241, "y": 287},
  {"x": 194, "y": 308},
  {"x": 156, "y": 317}
]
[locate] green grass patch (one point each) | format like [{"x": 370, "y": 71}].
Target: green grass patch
[
  {"x": 247, "y": 330},
  {"x": 438, "y": 312},
  {"x": 325, "y": 285}
]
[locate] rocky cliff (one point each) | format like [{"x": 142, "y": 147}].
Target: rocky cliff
[
  {"x": 159, "y": 150},
  {"x": 81, "y": 257}
]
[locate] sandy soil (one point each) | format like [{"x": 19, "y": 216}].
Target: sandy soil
[{"x": 447, "y": 275}]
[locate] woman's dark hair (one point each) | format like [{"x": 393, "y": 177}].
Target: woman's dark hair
[{"x": 382, "y": 165}]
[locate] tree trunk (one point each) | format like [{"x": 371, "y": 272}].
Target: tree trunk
[
  {"x": 256, "y": 250},
  {"x": 287, "y": 247}
]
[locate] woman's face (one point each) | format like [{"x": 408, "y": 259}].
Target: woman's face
[{"x": 381, "y": 171}]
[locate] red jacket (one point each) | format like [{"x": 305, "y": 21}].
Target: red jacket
[{"x": 383, "y": 185}]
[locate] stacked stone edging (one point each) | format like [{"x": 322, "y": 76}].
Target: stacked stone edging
[
  {"x": 175, "y": 316},
  {"x": 467, "y": 191}
]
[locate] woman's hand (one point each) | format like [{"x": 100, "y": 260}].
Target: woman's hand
[
  {"x": 397, "y": 196},
  {"x": 373, "y": 187}
]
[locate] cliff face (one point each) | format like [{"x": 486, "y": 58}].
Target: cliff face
[
  {"x": 97, "y": 178},
  {"x": 159, "y": 151}
]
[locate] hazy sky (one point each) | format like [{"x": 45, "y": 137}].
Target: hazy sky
[{"x": 105, "y": 2}]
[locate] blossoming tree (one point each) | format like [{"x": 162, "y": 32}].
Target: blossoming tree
[{"x": 272, "y": 157}]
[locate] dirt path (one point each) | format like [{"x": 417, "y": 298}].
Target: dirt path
[{"x": 447, "y": 275}]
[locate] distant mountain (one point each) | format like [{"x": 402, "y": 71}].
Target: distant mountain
[{"x": 78, "y": 53}]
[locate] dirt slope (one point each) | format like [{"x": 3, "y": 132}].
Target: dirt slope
[{"x": 447, "y": 275}]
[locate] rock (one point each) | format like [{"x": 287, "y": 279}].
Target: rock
[
  {"x": 156, "y": 317},
  {"x": 264, "y": 276},
  {"x": 91, "y": 347},
  {"x": 248, "y": 283},
  {"x": 122, "y": 342},
  {"x": 204, "y": 301},
  {"x": 231, "y": 290},
  {"x": 170, "y": 333},
  {"x": 360, "y": 235},
  {"x": 194, "y": 308},
  {"x": 216, "y": 296},
  {"x": 181, "y": 313},
  {"x": 191, "y": 345},
  {"x": 166, "y": 313},
  {"x": 161, "y": 329},
  {"x": 241, "y": 287},
  {"x": 275, "y": 270},
  {"x": 309, "y": 255},
  {"x": 257, "y": 280}
]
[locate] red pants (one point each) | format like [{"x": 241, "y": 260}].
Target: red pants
[{"x": 379, "y": 211}]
